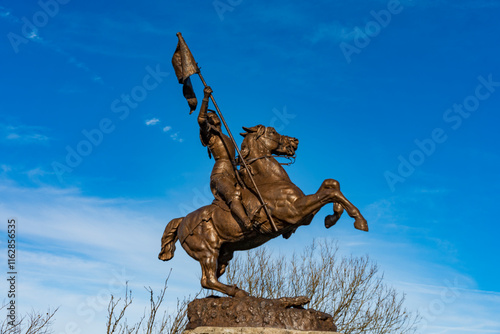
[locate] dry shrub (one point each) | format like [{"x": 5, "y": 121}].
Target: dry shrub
[{"x": 348, "y": 287}]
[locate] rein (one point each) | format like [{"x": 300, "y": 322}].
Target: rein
[{"x": 291, "y": 158}]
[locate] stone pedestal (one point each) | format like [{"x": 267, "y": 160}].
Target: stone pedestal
[
  {"x": 249, "y": 330},
  {"x": 225, "y": 315}
]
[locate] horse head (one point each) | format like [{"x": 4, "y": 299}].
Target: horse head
[{"x": 261, "y": 140}]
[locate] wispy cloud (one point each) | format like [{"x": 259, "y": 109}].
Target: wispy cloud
[
  {"x": 5, "y": 168},
  {"x": 334, "y": 32},
  {"x": 175, "y": 137},
  {"x": 23, "y": 134},
  {"x": 454, "y": 307},
  {"x": 36, "y": 173},
  {"x": 7, "y": 15},
  {"x": 77, "y": 249},
  {"x": 98, "y": 34},
  {"x": 34, "y": 36},
  {"x": 152, "y": 121},
  {"x": 94, "y": 76},
  {"x": 337, "y": 32}
]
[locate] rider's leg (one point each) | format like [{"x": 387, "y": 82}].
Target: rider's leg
[
  {"x": 232, "y": 195},
  {"x": 238, "y": 210}
]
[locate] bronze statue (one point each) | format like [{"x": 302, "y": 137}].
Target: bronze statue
[{"x": 260, "y": 189}]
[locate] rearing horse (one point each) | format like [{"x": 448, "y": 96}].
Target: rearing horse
[{"x": 211, "y": 234}]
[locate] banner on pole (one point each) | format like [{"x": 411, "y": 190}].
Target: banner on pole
[{"x": 185, "y": 66}]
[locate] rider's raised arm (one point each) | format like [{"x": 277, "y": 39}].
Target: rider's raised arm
[{"x": 202, "y": 116}]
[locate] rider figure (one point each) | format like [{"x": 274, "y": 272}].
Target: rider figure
[{"x": 223, "y": 182}]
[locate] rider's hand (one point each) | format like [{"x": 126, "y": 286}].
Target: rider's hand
[{"x": 207, "y": 91}]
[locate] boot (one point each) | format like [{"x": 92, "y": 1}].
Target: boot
[{"x": 238, "y": 210}]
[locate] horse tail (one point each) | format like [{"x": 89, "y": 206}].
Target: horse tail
[{"x": 169, "y": 239}]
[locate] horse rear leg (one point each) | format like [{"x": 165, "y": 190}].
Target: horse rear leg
[
  {"x": 222, "y": 262},
  {"x": 203, "y": 244},
  {"x": 209, "y": 278}
]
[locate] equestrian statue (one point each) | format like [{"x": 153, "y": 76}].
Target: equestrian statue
[{"x": 255, "y": 200}]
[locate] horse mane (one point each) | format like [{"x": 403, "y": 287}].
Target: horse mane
[
  {"x": 250, "y": 138},
  {"x": 245, "y": 146}
]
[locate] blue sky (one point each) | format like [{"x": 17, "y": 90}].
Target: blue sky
[{"x": 397, "y": 101}]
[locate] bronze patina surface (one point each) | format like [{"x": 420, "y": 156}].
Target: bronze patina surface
[
  {"x": 212, "y": 233},
  {"x": 255, "y": 200}
]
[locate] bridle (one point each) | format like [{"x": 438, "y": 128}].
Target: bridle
[{"x": 280, "y": 143}]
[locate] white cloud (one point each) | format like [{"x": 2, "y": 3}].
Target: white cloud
[
  {"x": 152, "y": 121},
  {"x": 334, "y": 31},
  {"x": 4, "y": 12},
  {"x": 74, "y": 251},
  {"x": 34, "y": 36},
  {"x": 7, "y": 15},
  {"x": 175, "y": 137},
  {"x": 5, "y": 168},
  {"x": 79, "y": 64},
  {"x": 452, "y": 307},
  {"x": 12, "y": 136},
  {"x": 23, "y": 134}
]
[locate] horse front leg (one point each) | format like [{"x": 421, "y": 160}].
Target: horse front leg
[
  {"x": 329, "y": 192},
  {"x": 330, "y": 188},
  {"x": 331, "y": 220}
]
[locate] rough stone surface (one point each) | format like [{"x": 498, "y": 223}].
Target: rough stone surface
[
  {"x": 249, "y": 330},
  {"x": 284, "y": 313}
]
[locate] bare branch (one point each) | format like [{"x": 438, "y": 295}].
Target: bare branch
[
  {"x": 349, "y": 288},
  {"x": 32, "y": 323}
]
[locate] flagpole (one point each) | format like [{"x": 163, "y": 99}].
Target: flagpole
[{"x": 264, "y": 204}]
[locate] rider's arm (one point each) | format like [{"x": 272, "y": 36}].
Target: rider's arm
[{"x": 202, "y": 116}]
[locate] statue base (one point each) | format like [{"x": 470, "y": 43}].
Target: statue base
[
  {"x": 217, "y": 315},
  {"x": 249, "y": 330}
]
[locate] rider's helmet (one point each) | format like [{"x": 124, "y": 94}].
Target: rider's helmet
[{"x": 213, "y": 119}]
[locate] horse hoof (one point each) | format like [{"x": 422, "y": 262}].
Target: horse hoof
[
  {"x": 331, "y": 220},
  {"x": 361, "y": 224},
  {"x": 240, "y": 294},
  {"x": 165, "y": 256}
]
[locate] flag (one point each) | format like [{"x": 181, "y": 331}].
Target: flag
[{"x": 185, "y": 66}]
